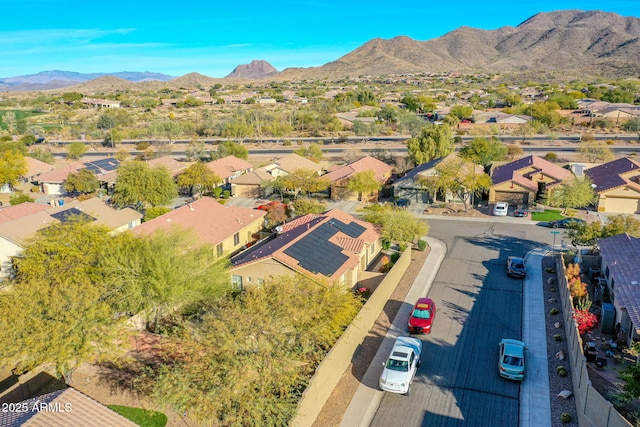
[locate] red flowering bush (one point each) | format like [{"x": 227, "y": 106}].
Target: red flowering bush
[
  {"x": 363, "y": 293},
  {"x": 585, "y": 320}
]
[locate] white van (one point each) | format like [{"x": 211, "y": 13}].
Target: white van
[{"x": 501, "y": 209}]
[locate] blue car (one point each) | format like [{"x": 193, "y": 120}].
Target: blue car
[{"x": 512, "y": 362}]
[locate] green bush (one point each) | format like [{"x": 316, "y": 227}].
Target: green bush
[
  {"x": 141, "y": 146},
  {"x": 286, "y": 143},
  {"x": 217, "y": 192},
  {"x": 386, "y": 244},
  {"x": 551, "y": 157},
  {"x": 557, "y": 337},
  {"x": 550, "y": 270},
  {"x": 562, "y": 373},
  {"x": 553, "y": 311},
  {"x": 565, "y": 418},
  {"x": 561, "y": 368},
  {"x": 422, "y": 245},
  {"x": 226, "y": 194},
  {"x": 395, "y": 256}
]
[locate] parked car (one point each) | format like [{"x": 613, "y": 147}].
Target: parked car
[
  {"x": 401, "y": 366},
  {"x": 516, "y": 267},
  {"x": 421, "y": 320},
  {"x": 511, "y": 364},
  {"x": 564, "y": 222},
  {"x": 520, "y": 211},
  {"x": 402, "y": 203},
  {"x": 501, "y": 209}
]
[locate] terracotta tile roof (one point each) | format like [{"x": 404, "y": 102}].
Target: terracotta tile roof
[
  {"x": 228, "y": 166},
  {"x": 20, "y": 229},
  {"x": 173, "y": 165},
  {"x": 608, "y": 175},
  {"x": 512, "y": 171},
  {"x": 294, "y": 161},
  {"x": 11, "y": 213},
  {"x": 340, "y": 235},
  {"x": 69, "y": 408},
  {"x": 59, "y": 175},
  {"x": 621, "y": 254},
  {"x": 36, "y": 167},
  {"x": 211, "y": 221},
  {"x": 255, "y": 177},
  {"x": 104, "y": 214},
  {"x": 381, "y": 169}
]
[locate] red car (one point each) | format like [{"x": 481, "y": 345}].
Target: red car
[
  {"x": 422, "y": 316},
  {"x": 270, "y": 205}
]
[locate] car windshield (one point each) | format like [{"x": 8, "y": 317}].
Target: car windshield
[
  {"x": 398, "y": 365},
  {"x": 512, "y": 360},
  {"x": 517, "y": 264},
  {"x": 421, "y": 314}
]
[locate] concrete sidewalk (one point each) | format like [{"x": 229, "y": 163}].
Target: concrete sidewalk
[
  {"x": 366, "y": 400},
  {"x": 535, "y": 408}
]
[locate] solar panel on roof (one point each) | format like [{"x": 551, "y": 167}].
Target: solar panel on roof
[
  {"x": 315, "y": 253},
  {"x": 63, "y": 216},
  {"x": 107, "y": 164},
  {"x": 352, "y": 229},
  {"x": 92, "y": 167}
]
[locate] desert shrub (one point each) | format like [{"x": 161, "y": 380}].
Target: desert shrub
[
  {"x": 557, "y": 337},
  {"x": 550, "y": 157},
  {"x": 565, "y": 418},
  {"x": 142, "y": 146},
  {"x": 422, "y": 245},
  {"x": 553, "y": 311},
  {"x": 226, "y": 194}
]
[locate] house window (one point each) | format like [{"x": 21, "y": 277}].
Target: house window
[
  {"x": 236, "y": 239},
  {"x": 236, "y": 282},
  {"x": 219, "y": 249}
]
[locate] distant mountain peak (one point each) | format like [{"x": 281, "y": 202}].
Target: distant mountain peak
[{"x": 253, "y": 70}]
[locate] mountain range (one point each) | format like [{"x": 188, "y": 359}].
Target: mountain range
[{"x": 577, "y": 42}]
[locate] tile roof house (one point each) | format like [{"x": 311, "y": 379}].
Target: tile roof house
[
  {"x": 617, "y": 185},
  {"x": 173, "y": 166},
  {"x": 36, "y": 167},
  {"x": 621, "y": 269},
  {"x": 20, "y": 223},
  {"x": 287, "y": 164},
  {"x": 339, "y": 177},
  {"x": 228, "y": 168},
  {"x": 51, "y": 182},
  {"x": 67, "y": 407},
  {"x": 228, "y": 228},
  {"x": 329, "y": 247},
  {"x": 408, "y": 186},
  {"x": 249, "y": 184},
  {"x": 525, "y": 180}
]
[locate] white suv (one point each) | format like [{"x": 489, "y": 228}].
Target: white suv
[{"x": 501, "y": 209}]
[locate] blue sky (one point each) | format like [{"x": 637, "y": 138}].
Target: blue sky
[{"x": 212, "y": 37}]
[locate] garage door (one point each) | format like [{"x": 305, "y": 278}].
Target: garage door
[
  {"x": 512, "y": 197},
  {"x": 618, "y": 204}
]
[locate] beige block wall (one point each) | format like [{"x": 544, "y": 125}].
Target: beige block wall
[
  {"x": 593, "y": 409},
  {"x": 261, "y": 270}
]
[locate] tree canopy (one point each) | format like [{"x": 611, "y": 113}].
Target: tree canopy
[
  {"x": 137, "y": 182},
  {"x": 457, "y": 176},
  {"x": 248, "y": 360},
  {"x": 306, "y": 180},
  {"x": 198, "y": 179},
  {"x": 84, "y": 181},
  {"x": 396, "y": 225},
  {"x": 484, "y": 151},
  {"x": 12, "y": 166},
  {"x": 595, "y": 151},
  {"x": 230, "y": 148},
  {"x": 573, "y": 193},
  {"x": 587, "y": 234},
  {"x": 433, "y": 142},
  {"x": 363, "y": 182},
  {"x": 61, "y": 303}
]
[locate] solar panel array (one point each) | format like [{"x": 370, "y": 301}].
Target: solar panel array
[
  {"x": 63, "y": 216},
  {"x": 352, "y": 229},
  {"x": 103, "y": 165},
  {"x": 316, "y": 253}
]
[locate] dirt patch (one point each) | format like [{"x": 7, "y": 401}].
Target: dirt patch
[{"x": 335, "y": 407}]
